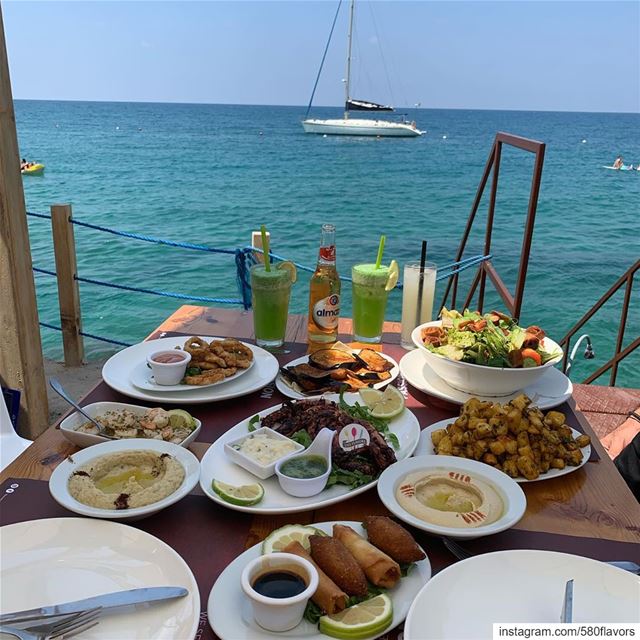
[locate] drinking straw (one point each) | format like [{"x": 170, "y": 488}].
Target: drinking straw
[
  {"x": 265, "y": 248},
  {"x": 423, "y": 259},
  {"x": 380, "y": 250}
]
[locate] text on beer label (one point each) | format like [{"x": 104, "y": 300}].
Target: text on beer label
[{"x": 327, "y": 311}]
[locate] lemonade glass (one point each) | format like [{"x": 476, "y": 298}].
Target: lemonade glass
[{"x": 369, "y": 301}]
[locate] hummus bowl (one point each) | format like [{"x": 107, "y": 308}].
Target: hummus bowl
[
  {"x": 478, "y": 379},
  {"x": 453, "y": 497},
  {"x": 124, "y": 479}
]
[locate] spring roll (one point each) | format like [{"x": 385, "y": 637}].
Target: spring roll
[
  {"x": 336, "y": 561},
  {"x": 393, "y": 539},
  {"x": 328, "y": 596},
  {"x": 379, "y": 568}
]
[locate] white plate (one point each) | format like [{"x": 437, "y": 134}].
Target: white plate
[
  {"x": 216, "y": 464},
  {"x": 425, "y": 448},
  {"x": 227, "y": 596},
  {"x": 286, "y": 389},
  {"x": 116, "y": 373},
  {"x": 550, "y": 390},
  {"x": 512, "y": 495},
  {"x": 69, "y": 425},
  {"x": 58, "y": 483},
  {"x": 465, "y": 599},
  {"x": 142, "y": 377},
  {"x": 58, "y": 560}
]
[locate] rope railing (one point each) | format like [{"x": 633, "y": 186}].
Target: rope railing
[
  {"x": 87, "y": 335},
  {"x": 155, "y": 292},
  {"x": 245, "y": 257}
]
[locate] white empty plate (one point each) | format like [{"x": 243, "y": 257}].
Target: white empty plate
[
  {"x": 465, "y": 599},
  {"x": 57, "y": 560}
]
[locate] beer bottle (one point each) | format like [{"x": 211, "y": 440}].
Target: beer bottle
[{"x": 324, "y": 292}]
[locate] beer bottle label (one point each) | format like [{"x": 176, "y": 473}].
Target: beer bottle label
[
  {"x": 327, "y": 311},
  {"x": 328, "y": 253}
]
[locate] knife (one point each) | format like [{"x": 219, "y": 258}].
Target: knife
[
  {"x": 106, "y": 601},
  {"x": 567, "y": 605}
]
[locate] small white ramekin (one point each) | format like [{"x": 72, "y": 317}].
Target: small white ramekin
[
  {"x": 279, "y": 614},
  {"x": 168, "y": 373}
]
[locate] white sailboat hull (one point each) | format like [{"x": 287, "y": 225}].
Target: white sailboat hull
[{"x": 361, "y": 127}]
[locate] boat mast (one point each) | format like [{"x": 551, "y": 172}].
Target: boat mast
[{"x": 348, "y": 82}]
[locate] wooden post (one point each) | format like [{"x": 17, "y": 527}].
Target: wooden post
[
  {"x": 64, "y": 247},
  {"x": 256, "y": 241},
  {"x": 21, "y": 364}
]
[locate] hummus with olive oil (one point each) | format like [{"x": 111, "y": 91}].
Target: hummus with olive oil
[
  {"x": 450, "y": 499},
  {"x": 126, "y": 480}
]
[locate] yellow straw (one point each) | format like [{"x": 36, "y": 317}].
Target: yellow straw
[
  {"x": 265, "y": 248},
  {"x": 380, "y": 250}
]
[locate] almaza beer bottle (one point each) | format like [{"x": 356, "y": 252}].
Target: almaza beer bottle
[{"x": 324, "y": 292}]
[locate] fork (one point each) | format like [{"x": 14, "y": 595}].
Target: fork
[
  {"x": 66, "y": 627},
  {"x": 462, "y": 554}
]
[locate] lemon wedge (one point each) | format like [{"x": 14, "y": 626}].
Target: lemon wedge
[
  {"x": 280, "y": 538},
  {"x": 243, "y": 496},
  {"x": 394, "y": 274},
  {"x": 383, "y": 404},
  {"x": 363, "y": 620},
  {"x": 291, "y": 268}
]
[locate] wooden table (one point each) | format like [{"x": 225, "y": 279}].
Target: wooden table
[{"x": 592, "y": 502}]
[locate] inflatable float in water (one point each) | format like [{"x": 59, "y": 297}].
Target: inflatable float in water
[{"x": 33, "y": 170}]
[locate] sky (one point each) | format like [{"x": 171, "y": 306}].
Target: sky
[{"x": 513, "y": 54}]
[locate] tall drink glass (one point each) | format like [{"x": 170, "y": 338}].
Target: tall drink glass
[
  {"x": 270, "y": 292},
  {"x": 369, "y": 301},
  {"x": 411, "y": 315}
]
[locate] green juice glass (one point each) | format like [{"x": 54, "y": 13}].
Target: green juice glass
[
  {"x": 270, "y": 292},
  {"x": 369, "y": 301}
]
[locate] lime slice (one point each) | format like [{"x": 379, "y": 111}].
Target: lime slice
[
  {"x": 370, "y": 396},
  {"x": 179, "y": 418},
  {"x": 291, "y": 268},
  {"x": 280, "y": 538},
  {"x": 360, "y": 621},
  {"x": 390, "y": 405},
  {"x": 244, "y": 496},
  {"x": 394, "y": 274}
]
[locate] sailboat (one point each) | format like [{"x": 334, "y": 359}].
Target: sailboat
[{"x": 348, "y": 126}]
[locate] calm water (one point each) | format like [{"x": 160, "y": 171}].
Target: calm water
[{"x": 211, "y": 174}]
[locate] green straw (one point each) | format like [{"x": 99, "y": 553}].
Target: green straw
[
  {"x": 380, "y": 251},
  {"x": 265, "y": 248}
]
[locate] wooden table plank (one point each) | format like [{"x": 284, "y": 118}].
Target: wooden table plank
[{"x": 593, "y": 501}]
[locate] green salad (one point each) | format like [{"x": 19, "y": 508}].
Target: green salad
[{"x": 493, "y": 340}]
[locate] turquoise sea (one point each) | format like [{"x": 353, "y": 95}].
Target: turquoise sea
[{"x": 211, "y": 174}]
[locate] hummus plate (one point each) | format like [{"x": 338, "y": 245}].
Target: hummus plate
[
  {"x": 124, "y": 480},
  {"x": 453, "y": 497}
]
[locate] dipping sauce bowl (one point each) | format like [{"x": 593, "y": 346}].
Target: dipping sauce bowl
[
  {"x": 279, "y": 573},
  {"x": 169, "y": 366}
]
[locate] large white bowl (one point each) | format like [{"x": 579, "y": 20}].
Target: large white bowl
[
  {"x": 70, "y": 424},
  {"x": 479, "y": 379},
  {"x": 59, "y": 481},
  {"x": 515, "y": 502}
]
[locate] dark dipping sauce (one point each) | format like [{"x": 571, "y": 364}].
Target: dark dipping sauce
[
  {"x": 279, "y": 584},
  {"x": 304, "y": 467}
]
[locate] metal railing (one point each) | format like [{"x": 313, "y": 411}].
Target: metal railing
[
  {"x": 513, "y": 302},
  {"x": 626, "y": 281}
]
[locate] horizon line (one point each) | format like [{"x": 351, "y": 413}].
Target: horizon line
[{"x": 247, "y": 104}]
